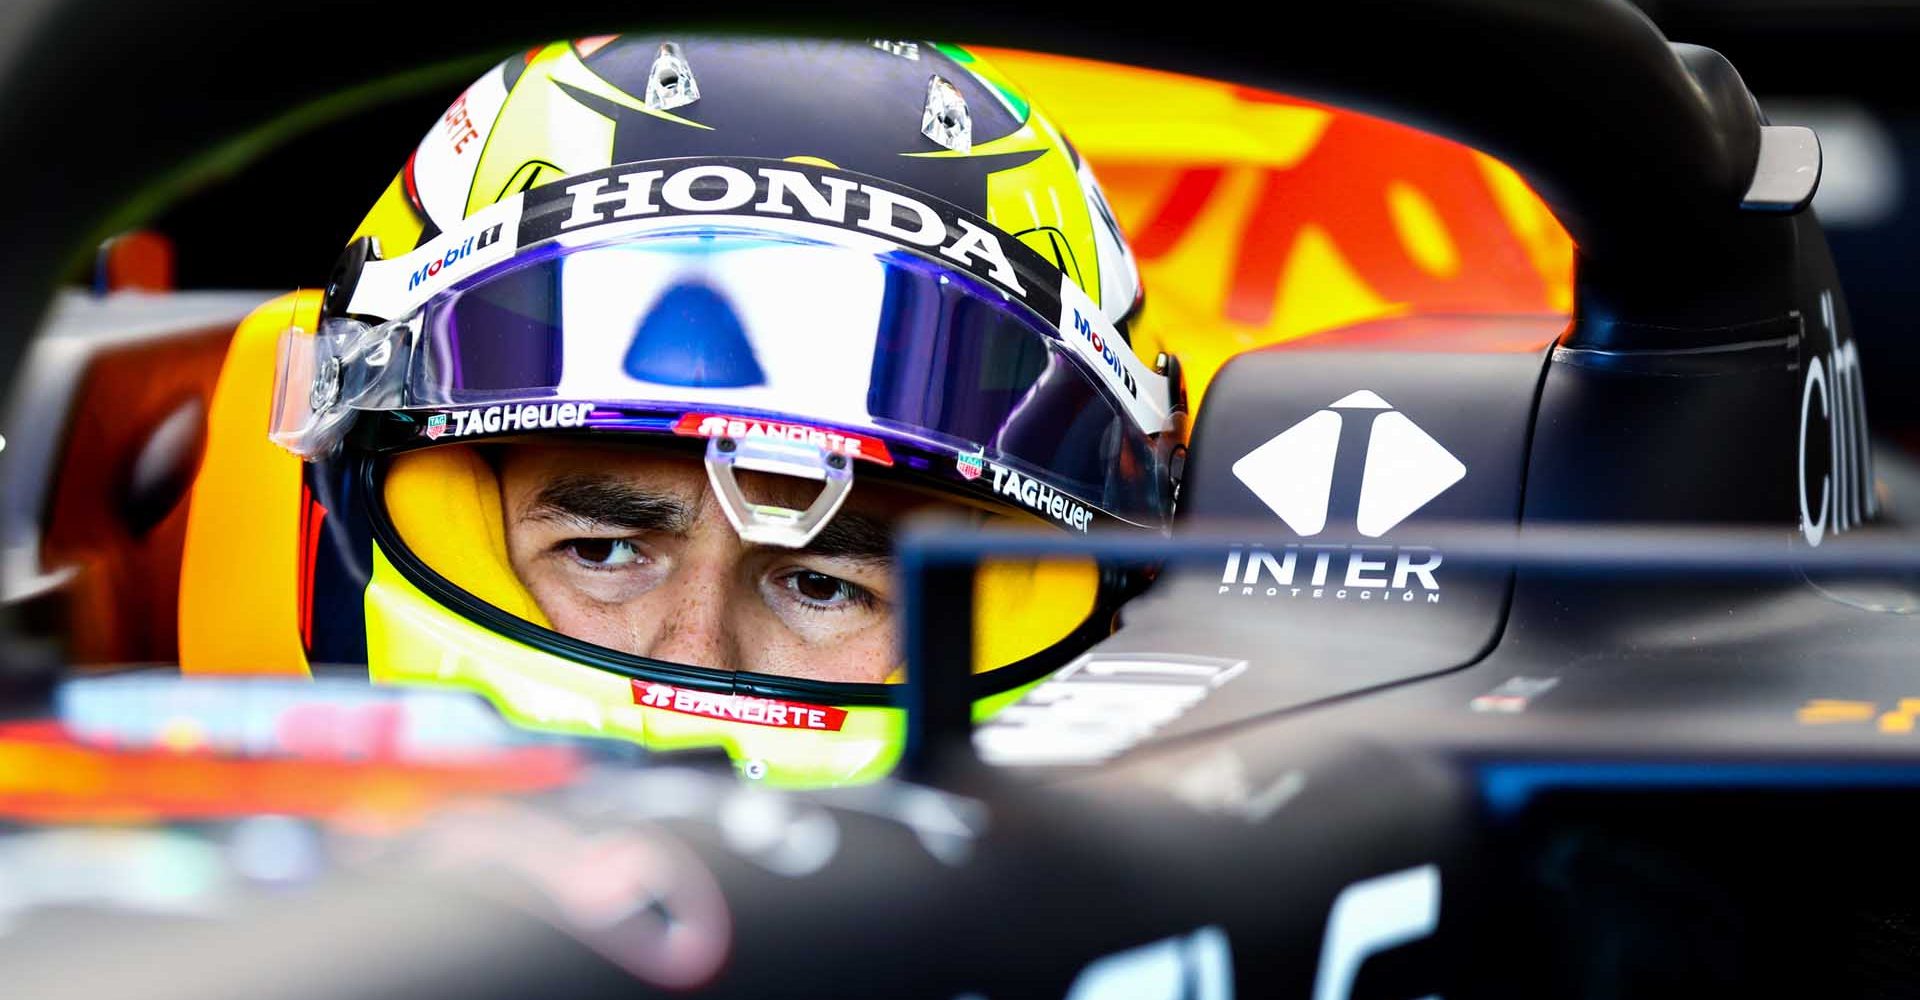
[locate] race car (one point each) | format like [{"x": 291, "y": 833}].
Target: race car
[{"x": 1530, "y": 616}]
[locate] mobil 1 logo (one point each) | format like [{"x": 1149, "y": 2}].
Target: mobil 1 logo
[{"x": 1356, "y": 466}]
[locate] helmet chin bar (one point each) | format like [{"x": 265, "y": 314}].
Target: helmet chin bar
[{"x": 768, "y": 524}]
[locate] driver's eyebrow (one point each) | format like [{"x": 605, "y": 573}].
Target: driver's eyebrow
[
  {"x": 854, "y": 536},
  {"x": 609, "y": 502},
  {"x": 612, "y": 502}
]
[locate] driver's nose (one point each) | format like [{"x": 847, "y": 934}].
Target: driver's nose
[{"x": 694, "y": 630}]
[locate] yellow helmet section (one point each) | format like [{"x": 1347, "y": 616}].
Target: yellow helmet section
[
  {"x": 411, "y": 639},
  {"x": 542, "y": 134},
  {"x": 570, "y": 107},
  {"x": 1022, "y": 607},
  {"x": 445, "y": 505},
  {"x": 392, "y": 221},
  {"x": 1047, "y": 203}
]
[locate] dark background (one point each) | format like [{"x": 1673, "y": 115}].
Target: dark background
[{"x": 1855, "y": 58}]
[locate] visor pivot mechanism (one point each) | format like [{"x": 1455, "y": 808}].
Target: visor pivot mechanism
[
  {"x": 345, "y": 368},
  {"x": 326, "y": 387},
  {"x": 770, "y": 524}
]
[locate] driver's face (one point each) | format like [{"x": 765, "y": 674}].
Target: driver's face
[{"x": 629, "y": 550}]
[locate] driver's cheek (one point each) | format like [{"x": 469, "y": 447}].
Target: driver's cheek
[
  {"x": 862, "y": 650},
  {"x": 635, "y": 626}
]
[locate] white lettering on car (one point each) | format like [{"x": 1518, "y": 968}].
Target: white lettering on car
[
  {"x": 1258, "y": 572},
  {"x": 1846, "y": 496}
]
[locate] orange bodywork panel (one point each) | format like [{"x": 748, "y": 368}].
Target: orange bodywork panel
[
  {"x": 120, "y": 602},
  {"x": 1259, "y": 218},
  {"x": 240, "y": 576},
  {"x": 49, "y": 776}
]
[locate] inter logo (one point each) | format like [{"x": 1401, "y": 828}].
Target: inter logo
[
  {"x": 1401, "y": 469},
  {"x": 1404, "y": 468}
]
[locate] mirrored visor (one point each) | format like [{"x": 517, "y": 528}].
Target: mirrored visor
[{"x": 849, "y": 335}]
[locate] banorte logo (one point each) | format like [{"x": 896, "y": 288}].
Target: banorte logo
[
  {"x": 458, "y": 125},
  {"x": 1293, "y": 473},
  {"x": 715, "y": 425},
  {"x": 739, "y": 708}
]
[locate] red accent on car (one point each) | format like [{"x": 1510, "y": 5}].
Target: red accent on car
[
  {"x": 412, "y": 189},
  {"x": 1176, "y": 215},
  {"x": 303, "y": 583},
  {"x": 312, "y": 517},
  {"x": 588, "y": 46}
]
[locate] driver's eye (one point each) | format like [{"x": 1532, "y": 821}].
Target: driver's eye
[
  {"x": 825, "y": 592},
  {"x": 603, "y": 552},
  {"x": 818, "y": 586}
]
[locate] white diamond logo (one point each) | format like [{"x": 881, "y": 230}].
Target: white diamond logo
[
  {"x": 1365, "y": 399},
  {"x": 1405, "y": 468},
  {"x": 1293, "y": 473}
]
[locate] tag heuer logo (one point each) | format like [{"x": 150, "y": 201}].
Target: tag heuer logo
[
  {"x": 1404, "y": 469},
  {"x": 436, "y": 426},
  {"x": 970, "y": 466}
]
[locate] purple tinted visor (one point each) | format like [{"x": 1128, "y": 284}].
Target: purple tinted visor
[{"x": 747, "y": 320}]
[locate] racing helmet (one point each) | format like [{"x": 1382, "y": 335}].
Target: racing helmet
[{"x": 872, "y": 268}]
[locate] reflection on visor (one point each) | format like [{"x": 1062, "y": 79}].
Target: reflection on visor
[{"x": 738, "y": 321}]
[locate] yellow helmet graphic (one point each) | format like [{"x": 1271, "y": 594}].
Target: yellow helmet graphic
[
  {"x": 614, "y": 401},
  {"x": 573, "y": 107}
]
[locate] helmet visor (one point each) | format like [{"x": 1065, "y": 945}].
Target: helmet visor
[{"x": 850, "y": 334}]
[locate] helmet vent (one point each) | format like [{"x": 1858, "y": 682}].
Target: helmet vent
[
  {"x": 946, "y": 120},
  {"x": 671, "y": 84}
]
